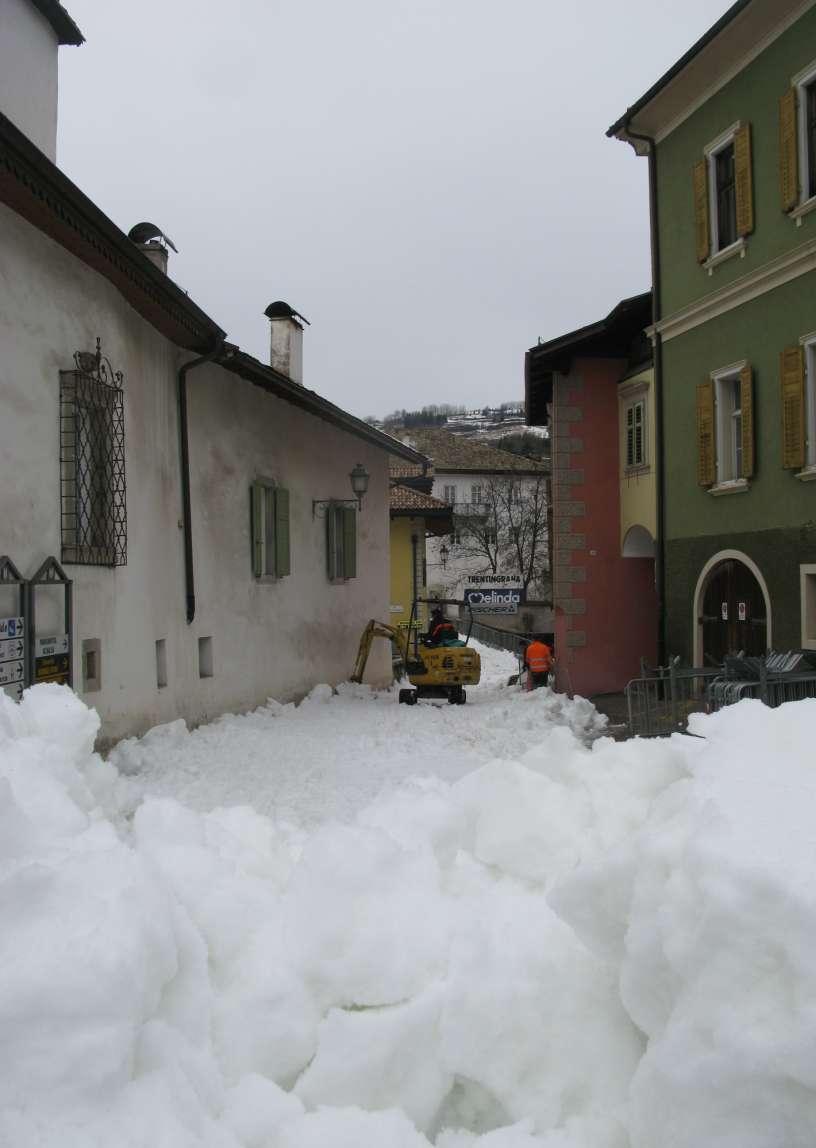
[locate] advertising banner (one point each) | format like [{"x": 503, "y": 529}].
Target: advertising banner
[{"x": 493, "y": 593}]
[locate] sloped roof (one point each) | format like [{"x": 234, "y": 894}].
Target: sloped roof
[
  {"x": 406, "y": 499},
  {"x": 456, "y": 454},
  {"x": 60, "y": 21}
]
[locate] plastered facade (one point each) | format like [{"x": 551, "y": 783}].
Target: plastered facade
[{"x": 269, "y": 638}]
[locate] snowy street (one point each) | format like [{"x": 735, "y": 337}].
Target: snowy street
[{"x": 350, "y": 923}]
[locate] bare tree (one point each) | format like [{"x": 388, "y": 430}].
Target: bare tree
[{"x": 507, "y": 533}]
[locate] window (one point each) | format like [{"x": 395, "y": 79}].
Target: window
[
  {"x": 810, "y": 403},
  {"x": 723, "y": 184},
  {"x": 809, "y": 132},
  {"x": 269, "y": 506},
  {"x": 636, "y": 434},
  {"x": 797, "y": 143},
  {"x": 161, "y": 663},
  {"x": 450, "y": 495},
  {"x": 91, "y": 665},
  {"x": 723, "y": 194},
  {"x": 725, "y": 430},
  {"x": 341, "y": 542},
  {"x": 807, "y": 575},
  {"x": 728, "y": 401},
  {"x": 205, "y": 658},
  {"x": 798, "y": 378},
  {"x": 92, "y": 465},
  {"x": 476, "y": 494}
]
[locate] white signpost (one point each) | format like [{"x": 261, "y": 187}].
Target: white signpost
[{"x": 12, "y": 656}]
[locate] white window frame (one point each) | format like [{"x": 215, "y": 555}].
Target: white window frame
[
  {"x": 807, "y": 583},
  {"x": 801, "y": 81},
  {"x": 710, "y": 152},
  {"x": 727, "y": 416},
  {"x": 630, "y": 407},
  {"x": 450, "y": 494},
  {"x": 476, "y": 494},
  {"x": 270, "y": 555}
]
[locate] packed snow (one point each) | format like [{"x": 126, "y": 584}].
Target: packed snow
[{"x": 350, "y": 923}]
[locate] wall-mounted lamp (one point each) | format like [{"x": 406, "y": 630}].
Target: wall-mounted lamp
[
  {"x": 359, "y": 479},
  {"x": 444, "y": 552}
]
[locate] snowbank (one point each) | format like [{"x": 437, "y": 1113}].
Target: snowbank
[{"x": 575, "y": 945}]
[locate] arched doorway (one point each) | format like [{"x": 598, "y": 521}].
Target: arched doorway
[{"x": 732, "y": 609}]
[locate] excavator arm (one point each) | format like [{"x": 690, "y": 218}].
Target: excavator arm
[{"x": 373, "y": 630}]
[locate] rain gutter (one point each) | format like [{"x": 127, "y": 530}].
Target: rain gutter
[
  {"x": 657, "y": 342},
  {"x": 184, "y": 452}
]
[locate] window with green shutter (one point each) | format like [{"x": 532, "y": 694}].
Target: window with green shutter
[
  {"x": 341, "y": 542},
  {"x": 269, "y": 514}
]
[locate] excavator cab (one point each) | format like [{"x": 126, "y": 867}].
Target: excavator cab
[{"x": 434, "y": 671}]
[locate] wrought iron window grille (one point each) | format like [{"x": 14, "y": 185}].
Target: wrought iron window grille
[{"x": 92, "y": 462}]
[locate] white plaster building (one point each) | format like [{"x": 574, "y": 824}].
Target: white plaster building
[
  {"x": 253, "y": 579},
  {"x": 475, "y": 478}
]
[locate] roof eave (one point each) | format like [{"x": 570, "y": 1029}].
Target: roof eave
[
  {"x": 254, "y": 371},
  {"x": 620, "y": 129},
  {"x": 62, "y": 23},
  {"x": 35, "y": 188}
]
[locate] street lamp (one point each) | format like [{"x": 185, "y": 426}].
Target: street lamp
[
  {"x": 444, "y": 552},
  {"x": 359, "y": 482},
  {"x": 359, "y": 479}
]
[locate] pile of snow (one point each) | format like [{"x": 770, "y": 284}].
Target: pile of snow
[{"x": 584, "y": 945}]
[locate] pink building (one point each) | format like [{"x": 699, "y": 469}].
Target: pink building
[{"x": 594, "y": 389}]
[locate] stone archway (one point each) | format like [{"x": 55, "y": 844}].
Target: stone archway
[
  {"x": 732, "y": 609},
  {"x": 638, "y": 543}
]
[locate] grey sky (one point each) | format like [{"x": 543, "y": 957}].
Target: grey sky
[{"x": 427, "y": 181}]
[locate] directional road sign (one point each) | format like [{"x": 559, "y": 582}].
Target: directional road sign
[
  {"x": 12, "y": 649},
  {"x": 48, "y": 647},
  {"x": 11, "y": 672},
  {"x": 12, "y": 627}
]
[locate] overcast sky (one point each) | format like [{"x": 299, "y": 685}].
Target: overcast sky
[{"x": 428, "y": 181}]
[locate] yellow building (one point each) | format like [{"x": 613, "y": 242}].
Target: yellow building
[
  {"x": 414, "y": 515},
  {"x": 638, "y": 470}
]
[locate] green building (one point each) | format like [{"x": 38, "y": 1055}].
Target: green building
[{"x": 730, "y": 136}]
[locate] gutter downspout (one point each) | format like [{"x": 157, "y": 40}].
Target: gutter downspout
[
  {"x": 184, "y": 450},
  {"x": 660, "y": 549}
]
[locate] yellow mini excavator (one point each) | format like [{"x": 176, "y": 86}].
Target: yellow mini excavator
[{"x": 434, "y": 671}]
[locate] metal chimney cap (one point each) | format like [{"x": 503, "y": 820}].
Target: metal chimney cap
[
  {"x": 148, "y": 232},
  {"x": 281, "y": 310}
]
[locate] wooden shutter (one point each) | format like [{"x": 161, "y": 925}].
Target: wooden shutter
[
  {"x": 282, "y": 560},
  {"x": 701, "y": 226},
  {"x": 747, "y": 410},
  {"x": 640, "y": 453},
  {"x": 331, "y": 542},
  {"x": 630, "y": 436},
  {"x": 788, "y": 151},
  {"x": 349, "y": 542},
  {"x": 792, "y": 375},
  {"x": 257, "y": 495},
  {"x": 706, "y": 458},
  {"x": 743, "y": 179}
]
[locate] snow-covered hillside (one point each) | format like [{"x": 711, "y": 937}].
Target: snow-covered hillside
[{"x": 544, "y": 939}]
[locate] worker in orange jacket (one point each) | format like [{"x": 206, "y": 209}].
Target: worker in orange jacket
[{"x": 539, "y": 660}]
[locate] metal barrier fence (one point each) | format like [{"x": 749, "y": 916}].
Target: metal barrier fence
[
  {"x": 493, "y": 636},
  {"x": 660, "y": 701}
]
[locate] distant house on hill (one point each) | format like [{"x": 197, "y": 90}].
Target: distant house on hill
[
  {"x": 500, "y": 524},
  {"x": 222, "y": 532}
]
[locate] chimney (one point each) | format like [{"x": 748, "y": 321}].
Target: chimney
[
  {"x": 153, "y": 243},
  {"x": 286, "y": 340},
  {"x": 157, "y": 253}
]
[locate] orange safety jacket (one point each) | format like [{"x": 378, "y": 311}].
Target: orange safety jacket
[
  {"x": 443, "y": 630},
  {"x": 538, "y": 657}
]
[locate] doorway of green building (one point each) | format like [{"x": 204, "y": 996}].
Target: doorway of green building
[{"x": 734, "y": 614}]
